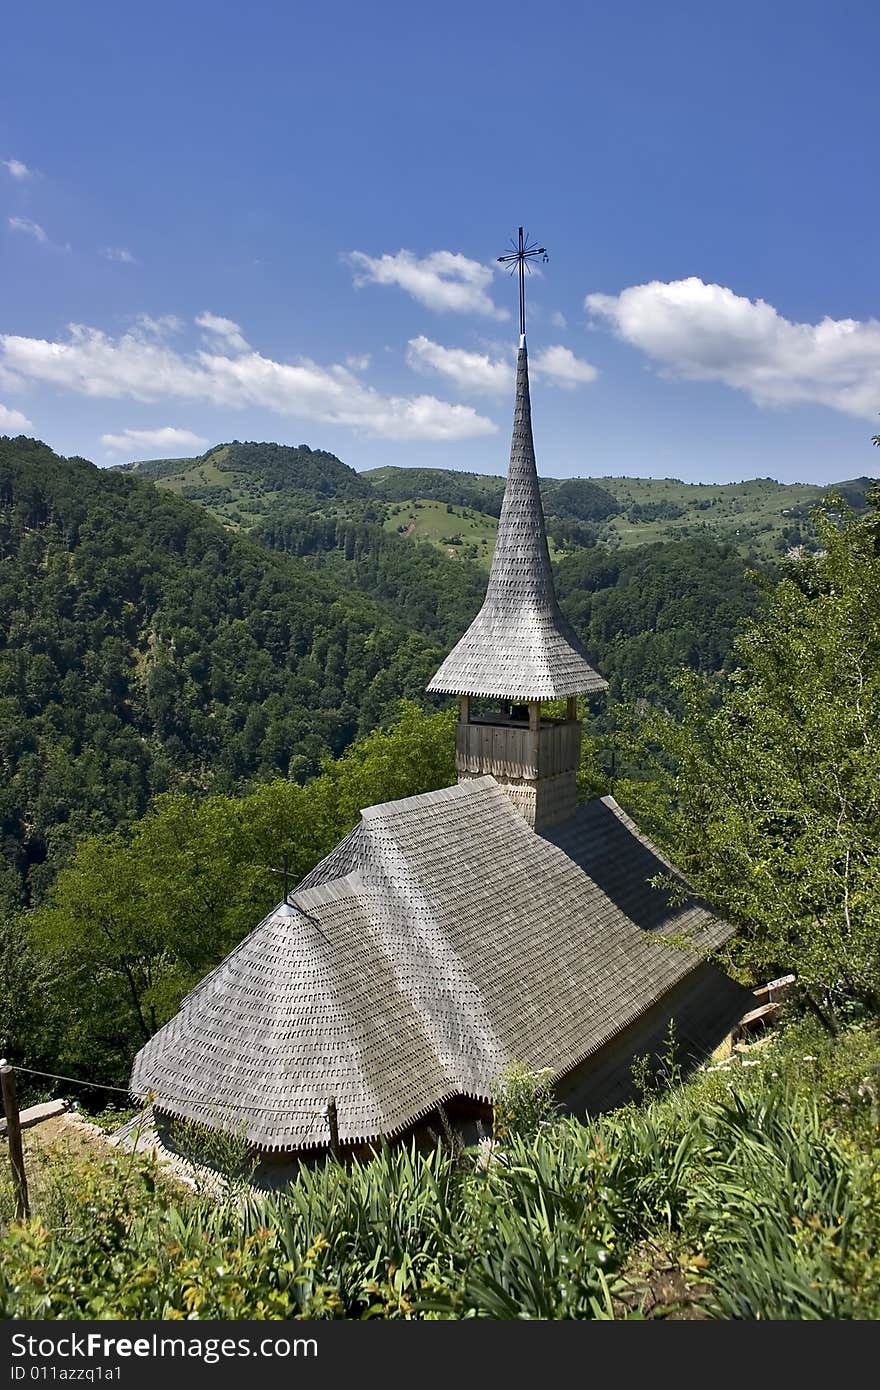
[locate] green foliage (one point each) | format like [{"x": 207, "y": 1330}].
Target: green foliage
[
  {"x": 568, "y": 499},
  {"x": 221, "y": 1158},
  {"x": 477, "y": 490},
  {"x": 654, "y": 511},
  {"x": 577, "y": 499},
  {"x": 772, "y": 809},
  {"x": 144, "y": 648},
  {"x": 653, "y": 1075},
  {"x": 750, "y": 515},
  {"x": 137, "y": 917},
  {"x": 761, "y": 1182},
  {"x": 28, "y": 1016},
  {"x": 431, "y": 593},
  {"x": 630, "y": 512},
  {"x": 643, "y": 615},
  {"x": 777, "y": 1212},
  {"x": 256, "y": 478},
  {"x": 522, "y": 1101}
]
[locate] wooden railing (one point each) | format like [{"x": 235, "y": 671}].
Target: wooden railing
[{"x": 512, "y": 749}]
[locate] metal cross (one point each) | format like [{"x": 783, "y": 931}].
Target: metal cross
[
  {"x": 518, "y": 258},
  {"x": 284, "y": 872}
]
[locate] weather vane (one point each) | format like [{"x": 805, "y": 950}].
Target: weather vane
[{"x": 518, "y": 258}]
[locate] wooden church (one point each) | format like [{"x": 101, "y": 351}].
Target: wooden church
[{"x": 457, "y": 931}]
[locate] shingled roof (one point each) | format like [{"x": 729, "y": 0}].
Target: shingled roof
[
  {"x": 440, "y": 940},
  {"x": 519, "y": 646}
]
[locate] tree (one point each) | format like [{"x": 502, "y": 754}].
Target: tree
[
  {"x": 772, "y": 806},
  {"x": 137, "y": 917}
]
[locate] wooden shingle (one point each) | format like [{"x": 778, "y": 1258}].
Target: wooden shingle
[{"x": 461, "y": 940}]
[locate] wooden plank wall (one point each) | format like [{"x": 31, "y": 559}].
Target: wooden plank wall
[{"x": 508, "y": 750}]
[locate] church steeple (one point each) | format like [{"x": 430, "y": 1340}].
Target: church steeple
[{"x": 520, "y": 647}]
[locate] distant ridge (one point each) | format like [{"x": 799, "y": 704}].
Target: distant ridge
[{"x": 250, "y": 485}]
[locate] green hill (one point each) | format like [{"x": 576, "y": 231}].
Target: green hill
[
  {"x": 651, "y": 571},
  {"x": 571, "y": 499},
  {"x": 460, "y": 532},
  {"x": 143, "y": 646},
  {"x": 759, "y": 517},
  {"x": 248, "y": 486},
  {"x": 480, "y": 491},
  {"x": 242, "y": 484},
  {"x": 648, "y": 613},
  {"x": 155, "y": 468}
]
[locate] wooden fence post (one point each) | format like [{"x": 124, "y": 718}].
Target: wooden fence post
[
  {"x": 333, "y": 1122},
  {"x": 13, "y": 1135}
]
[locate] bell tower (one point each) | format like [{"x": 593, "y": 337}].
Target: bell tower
[{"x": 520, "y": 651}]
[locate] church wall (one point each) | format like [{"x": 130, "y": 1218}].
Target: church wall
[{"x": 704, "y": 1007}]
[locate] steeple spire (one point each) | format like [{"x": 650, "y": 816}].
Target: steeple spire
[{"x": 520, "y": 646}]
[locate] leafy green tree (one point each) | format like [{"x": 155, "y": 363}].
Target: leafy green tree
[
  {"x": 772, "y": 807},
  {"x": 136, "y": 917}
]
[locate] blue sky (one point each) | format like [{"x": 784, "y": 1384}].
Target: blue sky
[{"x": 280, "y": 222}]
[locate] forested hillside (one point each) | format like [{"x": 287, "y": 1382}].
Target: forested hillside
[
  {"x": 651, "y": 612},
  {"x": 146, "y": 647},
  {"x": 143, "y": 646},
  {"x": 427, "y": 590},
  {"x": 644, "y": 612},
  {"x": 579, "y": 499},
  {"x": 241, "y": 484}
]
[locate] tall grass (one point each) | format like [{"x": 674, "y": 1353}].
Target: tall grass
[{"x": 764, "y": 1182}]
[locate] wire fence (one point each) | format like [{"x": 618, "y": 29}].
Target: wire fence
[
  {"x": 72, "y": 1080},
  {"x": 124, "y": 1091}
]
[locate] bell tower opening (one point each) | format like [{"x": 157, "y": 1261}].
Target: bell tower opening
[{"x": 532, "y": 754}]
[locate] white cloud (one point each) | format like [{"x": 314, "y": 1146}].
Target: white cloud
[
  {"x": 559, "y": 365},
  {"x": 168, "y": 440},
  {"x": 358, "y": 362},
  {"x": 13, "y": 422},
  {"x": 471, "y": 371},
  {"x": 140, "y": 366},
  {"x": 479, "y": 373},
  {"x": 24, "y": 224},
  {"x": 120, "y": 254},
  {"x": 39, "y": 234},
  {"x": 9, "y": 381},
  {"x": 17, "y": 169},
  {"x": 703, "y": 332},
  {"x": 160, "y": 327},
  {"x": 222, "y": 333},
  {"x": 558, "y": 319},
  {"x": 445, "y": 280}
]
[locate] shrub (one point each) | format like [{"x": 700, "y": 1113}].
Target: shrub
[{"x": 522, "y": 1102}]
